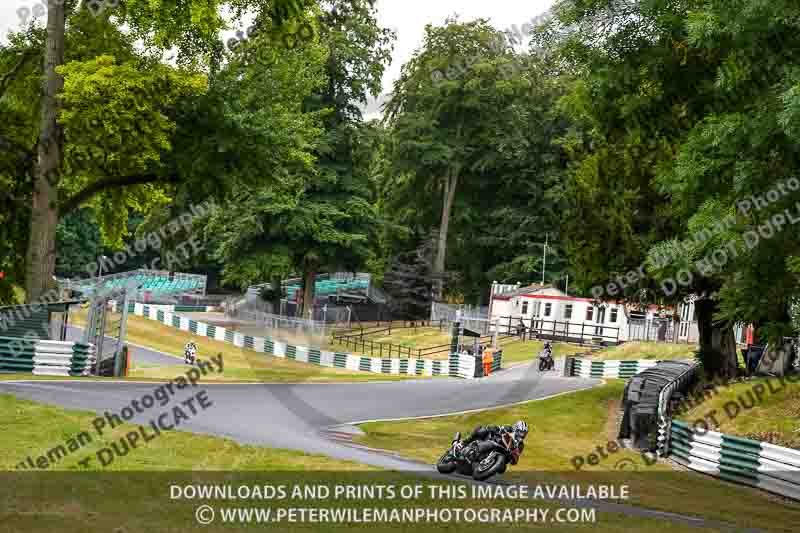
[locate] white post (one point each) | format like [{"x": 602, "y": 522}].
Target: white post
[
  {"x": 544, "y": 257},
  {"x": 491, "y": 297}
]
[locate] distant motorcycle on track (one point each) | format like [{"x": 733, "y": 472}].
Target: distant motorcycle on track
[
  {"x": 190, "y": 354},
  {"x": 546, "y": 361}
]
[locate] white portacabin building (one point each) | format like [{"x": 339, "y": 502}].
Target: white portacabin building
[{"x": 554, "y": 314}]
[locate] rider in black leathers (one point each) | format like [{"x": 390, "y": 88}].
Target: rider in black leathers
[{"x": 484, "y": 434}]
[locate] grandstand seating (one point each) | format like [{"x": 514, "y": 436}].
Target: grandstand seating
[
  {"x": 329, "y": 287},
  {"x": 151, "y": 283}
]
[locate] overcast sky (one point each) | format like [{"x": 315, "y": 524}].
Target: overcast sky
[{"x": 407, "y": 17}]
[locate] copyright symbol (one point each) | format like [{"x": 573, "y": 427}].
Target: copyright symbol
[
  {"x": 204, "y": 515},
  {"x": 626, "y": 464}
]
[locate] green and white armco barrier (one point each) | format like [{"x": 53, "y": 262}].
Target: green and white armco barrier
[
  {"x": 303, "y": 354},
  {"x": 168, "y": 307},
  {"x": 466, "y": 366},
  {"x": 586, "y": 368},
  {"x": 758, "y": 464},
  {"x": 46, "y": 358}
]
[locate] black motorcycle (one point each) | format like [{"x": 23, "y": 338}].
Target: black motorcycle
[
  {"x": 546, "y": 361},
  {"x": 483, "y": 459}
]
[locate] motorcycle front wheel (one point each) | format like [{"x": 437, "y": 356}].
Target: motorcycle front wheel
[
  {"x": 489, "y": 467},
  {"x": 446, "y": 464},
  {"x": 542, "y": 365}
]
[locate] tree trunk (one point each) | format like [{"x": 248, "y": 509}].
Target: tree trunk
[
  {"x": 441, "y": 248},
  {"x": 309, "y": 279},
  {"x": 717, "y": 343},
  {"x": 41, "y": 256}
]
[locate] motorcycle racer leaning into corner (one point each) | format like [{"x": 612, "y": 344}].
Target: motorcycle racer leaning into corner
[{"x": 482, "y": 434}]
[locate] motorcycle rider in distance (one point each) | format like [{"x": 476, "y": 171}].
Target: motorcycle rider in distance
[
  {"x": 484, "y": 433},
  {"x": 546, "y": 357},
  {"x": 190, "y": 353}
]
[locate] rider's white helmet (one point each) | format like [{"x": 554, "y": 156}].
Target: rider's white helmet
[{"x": 520, "y": 429}]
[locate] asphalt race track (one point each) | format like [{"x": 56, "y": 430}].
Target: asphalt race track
[{"x": 307, "y": 417}]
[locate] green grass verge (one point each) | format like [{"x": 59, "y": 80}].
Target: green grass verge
[
  {"x": 766, "y": 409},
  {"x": 514, "y": 351},
  {"x": 409, "y": 340},
  {"x": 19, "y": 293},
  {"x": 575, "y": 425},
  {"x": 32, "y": 429},
  {"x": 646, "y": 350},
  {"x": 523, "y": 351}
]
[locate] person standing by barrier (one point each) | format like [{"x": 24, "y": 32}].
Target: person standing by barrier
[{"x": 488, "y": 361}]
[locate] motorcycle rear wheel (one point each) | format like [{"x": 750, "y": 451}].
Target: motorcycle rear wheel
[{"x": 482, "y": 471}]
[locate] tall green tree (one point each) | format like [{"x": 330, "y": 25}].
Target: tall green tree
[
  {"x": 682, "y": 110},
  {"x": 441, "y": 126},
  {"x": 745, "y": 146},
  {"x": 79, "y": 243},
  {"x": 638, "y": 91},
  {"x": 327, "y": 218}
]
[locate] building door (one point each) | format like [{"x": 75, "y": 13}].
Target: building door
[
  {"x": 537, "y": 311},
  {"x": 601, "y": 317}
]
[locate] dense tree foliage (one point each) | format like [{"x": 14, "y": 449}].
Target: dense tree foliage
[
  {"x": 324, "y": 218},
  {"x": 682, "y": 111},
  {"x": 97, "y": 125}
]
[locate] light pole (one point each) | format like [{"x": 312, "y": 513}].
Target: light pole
[
  {"x": 102, "y": 260},
  {"x": 544, "y": 256}
]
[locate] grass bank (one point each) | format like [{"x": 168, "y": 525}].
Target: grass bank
[
  {"x": 514, "y": 351},
  {"x": 240, "y": 364},
  {"x": 565, "y": 431},
  {"x": 31, "y": 429},
  {"x": 765, "y": 409},
  {"x": 646, "y": 350}
]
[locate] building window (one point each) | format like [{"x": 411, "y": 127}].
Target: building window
[
  {"x": 567, "y": 311},
  {"x": 589, "y": 313},
  {"x": 613, "y": 317},
  {"x": 537, "y": 307},
  {"x": 524, "y": 308},
  {"x": 547, "y": 308}
]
